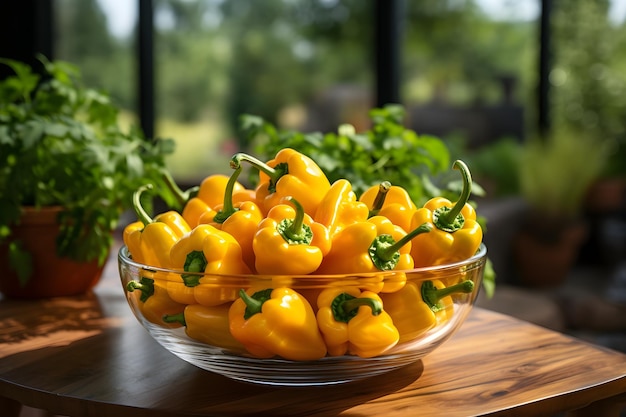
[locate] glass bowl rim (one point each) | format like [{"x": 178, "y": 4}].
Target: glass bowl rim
[{"x": 475, "y": 261}]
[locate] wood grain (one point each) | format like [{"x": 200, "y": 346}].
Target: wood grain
[{"x": 88, "y": 356}]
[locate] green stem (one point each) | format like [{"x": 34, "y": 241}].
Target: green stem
[
  {"x": 432, "y": 295},
  {"x": 346, "y": 306},
  {"x": 194, "y": 262},
  {"x": 228, "y": 208},
  {"x": 182, "y": 197},
  {"x": 387, "y": 253},
  {"x": 294, "y": 230},
  {"x": 273, "y": 173},
  {"x": 379, "y": 200},
  {"x": 145, "y": 285},
  {"x": 451, "y": 219},
  {"x": 175, "y": 318},
  {"x": 139, "y": 210},
  {"x": 384, "y": 250},
  {"x": 254, "y": 303}
]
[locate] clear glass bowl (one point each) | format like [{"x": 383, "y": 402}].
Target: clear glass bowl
[{"x": 224, "y": 355}]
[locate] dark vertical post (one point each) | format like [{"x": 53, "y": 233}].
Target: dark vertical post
[
  {"x": 388, "y": 33},
  {"x": 545, "y": 63},
  {"x": 26, "y": 29},
  {"x": 146, "y": 67}
]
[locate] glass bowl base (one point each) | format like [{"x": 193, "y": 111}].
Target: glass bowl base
[{"x": 330, "y": 370}]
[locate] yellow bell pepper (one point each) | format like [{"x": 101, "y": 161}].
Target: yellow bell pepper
[
  {"x": 154, "y": 302},
  {"x": 289, "y": 242},
  {"x": 340, "y": 208},
  {"x": 354, "y": 322},
  {"x": 290, "y": 173},
  {"x": 239, "y": 219},
  {"x": 212, "y": 189},
  {"x": 456, "y": 234},
  {"x": 247, "y": 194},
  {"x": 151, "y": 244},
  {"x": 417, "y": 308},
  {"x": 175, "y": 221},
  {"x": 208, "y": 250},
  {"x": 208, "y": 325},
  {"x": 179, "y": 292},
  {"x": 274, "y": 322},
  {"x": 132, "y": 240},
  {"x": 390, "y": 201},
  {"x": 242, "y": 225},
  {"x": 201, "y": 209},
  {"x": 193, "y": 210},
  {"x": 370, "y": 246}
]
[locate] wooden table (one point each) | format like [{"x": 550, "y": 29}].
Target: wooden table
[{"x": 88, "y": 356}]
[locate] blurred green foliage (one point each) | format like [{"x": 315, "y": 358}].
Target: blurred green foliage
[
  {"x": 217, "y": 60},
  {"x": 589, "y": 76},
  {"x": 387, "y": 152},
  {"x": 237, "y": 56}
]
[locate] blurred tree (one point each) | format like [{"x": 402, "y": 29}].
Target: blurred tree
[
  {"x": 86, "y": 18},
  {"x": 284, "y": 52},
  {"x": 589, "y": 73},
  {"x": 84, "y": 39},
  {"x": 457, "y": 54},
  {"x": 189, "y": 66}
]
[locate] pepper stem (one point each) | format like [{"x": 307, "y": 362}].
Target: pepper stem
[
  {"x": 254, "y": 303},
  {"x": 451, "y": 219},
  {"x": 387, "y": 252},
  {"x": 346, "y": 306},
  {"x": 432, "y": 295},
  {"x": 194, "y": 262},
  {"x": 379, "y": 200},
  {"x": 273, "y": 173},
  {"x": 182, "y": 197},
  {"x": 228, "y": 208},
  {"x": 145, "y": 285},
  {"x": 142, "y": 214},
  {"x": 175, "y": 318},
  {"x": 384, "y": 250},
  {"x": 294, "y": 230}
]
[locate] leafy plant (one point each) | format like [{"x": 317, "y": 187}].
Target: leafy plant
[
  {"x": 498, "y": 162},
  {"x": 386, "y": 152},
  {"x": 555, "y": 172},
  {"x": 60, "y": 144}
]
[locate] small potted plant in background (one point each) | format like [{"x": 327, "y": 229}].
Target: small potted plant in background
[
  {"x": 555, "y": 173},
  {"x": 67, "y": 173}
]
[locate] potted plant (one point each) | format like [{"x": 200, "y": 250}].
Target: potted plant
[
  {"x": 64, "y": 160},
  {"x": 555, "y": 173}
]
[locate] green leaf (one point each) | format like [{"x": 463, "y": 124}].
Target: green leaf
[
  {"x": 31, "y": 132},
  {"x": 21, "y": 262},
  {"x": 55, "y": 129},
  {"x": 489, "y": 279},
  {"x": 393, "y": 143},
  {"x": 24, "y": 81},
  {"x": 134, "y": 164}
]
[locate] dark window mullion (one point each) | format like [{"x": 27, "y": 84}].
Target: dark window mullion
[
  {"x": 145, "y": 82},
  {"x": 388, "y": 38},
  {"x": 26, "y": 29}
]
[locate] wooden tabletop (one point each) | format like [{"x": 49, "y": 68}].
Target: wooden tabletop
[{"x": 88, "y": 356}]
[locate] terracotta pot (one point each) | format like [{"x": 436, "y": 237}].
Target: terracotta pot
[
  {"x": 52, "y": 276},
  {"x": 606, "y": 195},
  {"x": 546, "y": 263}
]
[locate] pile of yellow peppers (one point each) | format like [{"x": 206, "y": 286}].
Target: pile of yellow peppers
[{"x": 294, "y": 223}]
